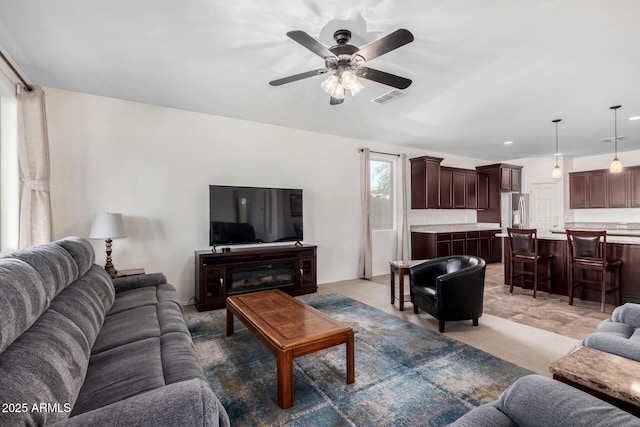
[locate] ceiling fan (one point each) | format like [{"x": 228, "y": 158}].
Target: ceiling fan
[{"x": 346, "y": 62}]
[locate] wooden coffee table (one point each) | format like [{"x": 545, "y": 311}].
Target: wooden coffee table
[
  {"x": 607, "y": 376},
  {"x": 289, "y": 328}
]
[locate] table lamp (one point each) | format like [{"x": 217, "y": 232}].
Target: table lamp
[{"x": 108, "y": 226}]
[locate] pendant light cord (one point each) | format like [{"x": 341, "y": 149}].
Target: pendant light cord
[
  {"x": 615, "y": 129},
  {"x": 556, "y": 122}
]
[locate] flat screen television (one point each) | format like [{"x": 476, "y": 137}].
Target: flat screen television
[{"x": 254, "y": 215}]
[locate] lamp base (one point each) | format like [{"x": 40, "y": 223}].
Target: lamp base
[{"x": 113, "y": 273}]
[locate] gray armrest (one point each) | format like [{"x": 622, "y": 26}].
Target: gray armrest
[
  {"x": 484, "y": 416},
  {"x": 139, "y": 281},
  {"x": 187, "y": 403},
  {"x": 535, "y": 400},
  {"x": 628, "y": 313},
  {"x": 614, "y": 344}
]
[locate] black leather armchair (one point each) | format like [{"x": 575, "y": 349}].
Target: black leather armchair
[{"x": 449, "y": 288}]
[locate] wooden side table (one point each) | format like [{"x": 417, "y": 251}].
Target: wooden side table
[
  {"x": 401, "y": 268},
  {"x": 606, "y": 376}
]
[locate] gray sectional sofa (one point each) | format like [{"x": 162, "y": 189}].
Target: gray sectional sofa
[
  {"x": 77, "y": 348},
  {"x": 619, "y": 335},
  {"x": 537, "y": 401}
]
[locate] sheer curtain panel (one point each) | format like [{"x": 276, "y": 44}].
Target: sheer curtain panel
[
  {"x": 402, "y": 252},
  {"x": 33, "y": 155},
  {"x": 364, "y": 267}
]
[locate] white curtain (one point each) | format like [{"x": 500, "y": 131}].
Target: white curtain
[
  {"x": 402, "y": 252},
  {"x": 364, "y": 267},
  {"x": 33, "y": 155}
]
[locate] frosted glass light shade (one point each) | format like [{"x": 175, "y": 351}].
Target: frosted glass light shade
[
  {"x": 616, "y": 166},
  {"x": 556, "y": 173},
  {"x": 107, "y": 226},
  {"x": 348, "y": 79},
  {"x": 329, "y": 84}
]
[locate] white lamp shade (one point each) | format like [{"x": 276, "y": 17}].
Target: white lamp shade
[
  {"x": 556, "y": 173},
  {"x": 107, "y": 226}
]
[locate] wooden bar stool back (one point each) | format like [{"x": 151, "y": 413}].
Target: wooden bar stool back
[
  {"x": 525, "y": 259},
  {"x": 588, "y": 253}
]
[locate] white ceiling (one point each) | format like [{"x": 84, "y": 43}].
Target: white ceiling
[{"x": 483, "y": 72}]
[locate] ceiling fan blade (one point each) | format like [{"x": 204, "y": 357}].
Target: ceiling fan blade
[
  {"x": 336, "y": 101},
  {"x": 300, "y": 76},
  {"x": 386, "y": 44},
  {"x": 310, "y": 43},
  {"x": 384, "y": 78}
]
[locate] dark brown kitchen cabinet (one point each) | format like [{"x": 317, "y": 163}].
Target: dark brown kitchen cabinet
[
  {"x": 618, "y": 190},
  {"x": 597, "y": 189},
  {"x": 471, "y": 183},
  {"x": 476, "y": 243},
  {"x": 578, "y": 190},
  {"x": 425, "y": 182},
  {"x": 634, "y": 186},
  {"x": 600, "y": 189},
  {"x": 510, "y": 178},
  {"x": 483, "y": 191},
  {"x": 459, "y": 190},
  {"x": 446, "y": 188}
]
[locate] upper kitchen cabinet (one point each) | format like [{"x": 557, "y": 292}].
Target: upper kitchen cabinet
[
  {"x": 603, "y": 189},
  {"x": 425, "y": 182},
  {"x": 509, "y": 177},
  {"x": 483, "y": 191}
]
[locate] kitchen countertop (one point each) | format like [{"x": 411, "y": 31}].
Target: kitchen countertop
[
  {"x": 453, "y": 228},
  {"x": 557, "y": 234}
]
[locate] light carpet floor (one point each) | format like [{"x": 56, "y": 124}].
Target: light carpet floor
[{"x": 527, "y": 346}]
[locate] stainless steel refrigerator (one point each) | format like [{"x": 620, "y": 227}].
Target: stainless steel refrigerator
[{"x": 515, "y": 210}]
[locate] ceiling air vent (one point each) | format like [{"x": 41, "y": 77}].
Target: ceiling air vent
[{"x": 389, "y": 96}]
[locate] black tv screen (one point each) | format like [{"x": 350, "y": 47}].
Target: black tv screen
[{"x": 254, "y": 215}]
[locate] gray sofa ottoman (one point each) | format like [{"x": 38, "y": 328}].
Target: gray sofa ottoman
[
  {"x": 619, "y": 335},
  {"x": 77, "y": 348},
  {"x": 537, "y": 401}
]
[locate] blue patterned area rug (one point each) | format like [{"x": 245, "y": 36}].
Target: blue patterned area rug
[{"x": 405, "y": 374}]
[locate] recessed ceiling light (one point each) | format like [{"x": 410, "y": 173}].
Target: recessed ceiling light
[
  {"x": 634, "y": 118},
  {"x": 558, "y": 154},
  {"x": 508, "y": 142}
]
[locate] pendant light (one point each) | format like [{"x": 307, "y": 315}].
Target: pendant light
[
  {"x": 556, "y": 173},
  {"x": 616, "y": 165}
]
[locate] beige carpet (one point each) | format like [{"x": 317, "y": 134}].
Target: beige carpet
[{"x": 516, "y": 327}]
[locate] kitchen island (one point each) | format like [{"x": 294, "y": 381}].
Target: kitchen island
[
  {"x": 477, "y": 239},
  {"x": 624, "y": 246}
]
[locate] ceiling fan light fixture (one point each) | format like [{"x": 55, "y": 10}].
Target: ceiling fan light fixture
[{"x": 357, "y": 88}]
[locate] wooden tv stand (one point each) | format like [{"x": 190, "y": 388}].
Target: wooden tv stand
[{"x": 290, "y": 268}]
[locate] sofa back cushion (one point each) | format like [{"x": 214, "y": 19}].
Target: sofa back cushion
[
  {"x": 31, "y": 278},
  {"x": 52, "y": 306}
]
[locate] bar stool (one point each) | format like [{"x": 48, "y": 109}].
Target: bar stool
[
  {"x": 588, "y": 252},
  {"x": 524, "y": 252}
]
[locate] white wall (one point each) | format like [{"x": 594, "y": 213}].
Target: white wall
[{"x": 154, "y": 165}]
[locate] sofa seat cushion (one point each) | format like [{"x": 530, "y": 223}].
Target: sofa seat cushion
[{"x": 144, "y": 344}]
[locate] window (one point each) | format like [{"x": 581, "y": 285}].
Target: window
[
  {"x": 9, "y": 182},
  {"x": 382, "y": 195}
]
